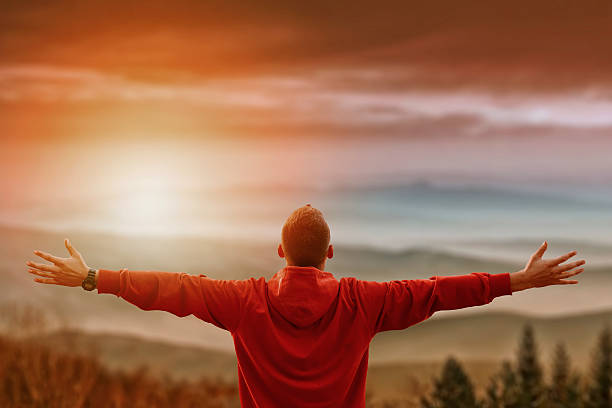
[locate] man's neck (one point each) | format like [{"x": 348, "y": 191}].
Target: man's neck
[{"x": 320, "y": 266}]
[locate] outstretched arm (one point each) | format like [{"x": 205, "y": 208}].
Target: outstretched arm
[
  {"x": 398, "y": 304},
  {"x": 220, "y": 302}
]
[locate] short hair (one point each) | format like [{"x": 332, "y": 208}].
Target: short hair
[{"x": 305, "y": 237}]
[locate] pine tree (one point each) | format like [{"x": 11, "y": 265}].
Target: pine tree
[
  {"x": 452, "y": 390},
  {"x": 510, "y": 386},
  {"x": 564, "y": 391},
  {"x": 574, "y": 392},
  {"x": 530, "y": 381},
  {"x": 502, "y": 390},
  {"x": 492, "y": 394},
  {"x": 601, "y": 382},
  {"x": 560, "y": 377}
]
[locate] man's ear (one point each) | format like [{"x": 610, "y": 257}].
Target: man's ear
[
  {"x": 281, "y": 253},
  {"x": 330, "y": 252}
]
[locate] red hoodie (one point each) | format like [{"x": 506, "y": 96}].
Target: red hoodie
[{"x": 302, "y": 338}]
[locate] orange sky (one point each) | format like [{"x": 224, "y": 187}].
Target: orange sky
[
  {"x": 271, "y": 93},
  {"x": 316, "y": 69},
  {"x": 545, "y": 44}
]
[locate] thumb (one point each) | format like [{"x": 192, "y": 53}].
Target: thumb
[
  {"x": 541, "y": 250},
  {"x": 69, "y": 247}
]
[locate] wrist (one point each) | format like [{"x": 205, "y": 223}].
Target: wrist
[
  {"x": 86, "y": 273},
  {"x": 91, "y": 281},
  {"x": 519, "y": 281}
]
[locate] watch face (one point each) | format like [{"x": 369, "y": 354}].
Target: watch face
[{"x": 88, "y": 285}]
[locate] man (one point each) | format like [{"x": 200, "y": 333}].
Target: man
[{"x": 302, "y": 338}]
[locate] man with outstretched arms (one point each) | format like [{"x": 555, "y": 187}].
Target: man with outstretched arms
[{"x": 302, "y": 337}]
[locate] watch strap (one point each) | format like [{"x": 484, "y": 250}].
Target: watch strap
[{"x": 89, "y": 283}]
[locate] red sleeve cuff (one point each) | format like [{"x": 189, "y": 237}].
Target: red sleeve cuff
[
  {"x": 500, "y": 285},
  {"x": 108, "y": 281}
]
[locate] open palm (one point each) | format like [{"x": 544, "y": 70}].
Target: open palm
[
  {"x": 542, "y": 272},
  {"x": 63, "y": 271}
]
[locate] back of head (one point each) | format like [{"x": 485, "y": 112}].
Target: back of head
[{"x": 305, "y": 237}]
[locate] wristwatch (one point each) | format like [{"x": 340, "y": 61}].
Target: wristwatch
[{"x": 89, "y": 283}]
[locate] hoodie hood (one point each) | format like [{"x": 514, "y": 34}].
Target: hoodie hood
[{"x": 302, "y": 295}]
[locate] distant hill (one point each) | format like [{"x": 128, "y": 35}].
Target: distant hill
[
  {"x": 128, "y": 352},
  {"x": 488, "y": 336},
  {"x": 481, "y": 334},
  {"x": 484, "y": 337},
  {"x": 402, "y": 363},
  {"x": 237, "y": 259},
  {"x": 374, "y": 264}
]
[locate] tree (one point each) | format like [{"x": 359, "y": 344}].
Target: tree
[
  {"x": 510, "y": 386},
  {"x": 564, "y": 390},
  {"x": 530, "y": 382},
  {"x": 599, "y": 388},
  {"x": 453, "y": 389},
  {"x": 502, "y": 390},
  {"x": 574, "y": 393},
  {"x": 492, "y": 394}
]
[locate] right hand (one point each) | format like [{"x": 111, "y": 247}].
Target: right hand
[
  {"x": 541, "y": 272},
  {"x": 64, "y": 271}
]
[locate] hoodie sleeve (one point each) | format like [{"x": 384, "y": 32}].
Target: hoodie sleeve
[
  {"x": 398, "y": 304},
  {"x": 220, "y": 302}
]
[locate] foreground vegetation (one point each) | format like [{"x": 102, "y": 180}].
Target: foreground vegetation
[
  {"x": 522, "y": 384},
  {"x": 35, "y": 376}
]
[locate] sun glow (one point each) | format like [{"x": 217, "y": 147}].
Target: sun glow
[
  {"x": 146, "y": 190},
  {"x": 139, "y": 208}
]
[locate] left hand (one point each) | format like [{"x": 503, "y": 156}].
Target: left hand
[
  {"x": 64, "y": 271},
  {"x": 541, "y": 272}
]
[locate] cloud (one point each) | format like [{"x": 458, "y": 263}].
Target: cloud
[
  {"x": 314, "y": 100},
  {"x": 48, "y": 83},
  {"x": 544, "y": 45},
  {"x": 308, "y": 68}
]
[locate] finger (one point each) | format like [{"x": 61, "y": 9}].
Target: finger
[
  {"x": 40, "y": 273},
  {"x": 47, "y": 281},
  {"x": 567, "y": 267},
  {"x": 562, "y": 258},
  {"x": 567, "y": 282},
  {"x": 56, "y": 260},
  {"x": 73, "y": 251},
  {"x": 43, "y": 267},
  {"x": 570, "y": 274},
  {"x": 541, "y": 250},
  {"x": 69, "y": 247}
]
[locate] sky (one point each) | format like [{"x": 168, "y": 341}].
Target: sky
[
  {"x": 476, "y": 128},
  {"x": 146, "y": 99}
]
